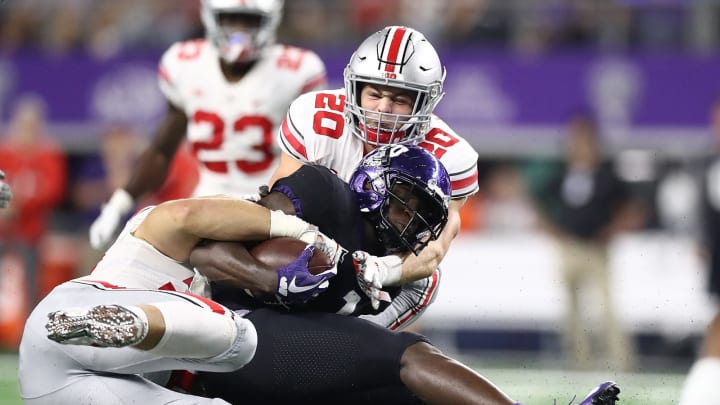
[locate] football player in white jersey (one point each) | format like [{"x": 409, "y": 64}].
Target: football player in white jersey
[
  {"x": 145, "y": 276},
  {"x": 392, "y": 84},
  {"x": 229, "y": 93},
  {"x": 5, "y": 193}
]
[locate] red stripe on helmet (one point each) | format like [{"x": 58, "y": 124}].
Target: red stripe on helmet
[{"x": 395, "y": 43}]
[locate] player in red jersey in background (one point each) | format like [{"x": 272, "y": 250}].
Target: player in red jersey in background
[
  {"x": 36, "y": 168},
  {"x": 228, "y": 93},
  {"x": 392, "y": 84}
]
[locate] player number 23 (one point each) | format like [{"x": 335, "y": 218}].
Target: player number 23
[{"x": 264, "y": 146}]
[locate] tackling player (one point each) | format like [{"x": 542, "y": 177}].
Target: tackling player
[
  {"x": 144, "y": 272},
  {"x": 229, "y": 94},
  {"x": 392, "y": 84},
  {"x": 5, "y": 193}
]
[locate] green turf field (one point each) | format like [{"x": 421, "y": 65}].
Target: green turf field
[
  {"x": 527, "y": 385},
  {"x": 9, "y": 394}
]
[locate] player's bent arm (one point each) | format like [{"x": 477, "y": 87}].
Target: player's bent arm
[
  {"x": 423, "y": 265},
  {"x": 231, "y": 262},
  {"x": 175, "y": 227},
  {"x": 412, "y": 301},
  {"x": 153, "y": 164},
  {"x": 287, "y": 166}
]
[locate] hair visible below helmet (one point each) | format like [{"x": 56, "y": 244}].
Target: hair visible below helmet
[
  {"x": 374, "y": 183},
  {"x": 400, "y": 57},
  {"x": 239, "y": 46}
]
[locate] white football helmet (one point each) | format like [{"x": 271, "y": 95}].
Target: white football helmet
[
  {"x": 237, "y": 46},
  {"x": 399, "y": 57}
]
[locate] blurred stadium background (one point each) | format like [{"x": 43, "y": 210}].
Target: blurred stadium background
[{"x": 517, "y": 71}]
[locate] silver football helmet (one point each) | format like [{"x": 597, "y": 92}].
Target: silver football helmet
[
  {"x": 399, "y": 57},
  {"x": 237, "y": 46}
]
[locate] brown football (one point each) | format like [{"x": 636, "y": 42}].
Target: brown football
[{"x": 278, "y": 252}]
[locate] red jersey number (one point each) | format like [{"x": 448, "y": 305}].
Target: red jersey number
[
  {"x": 239, "y": 127},
  {"x": 437, "y": 142},
  {"x": 190, "y": 49},
  {"x": 329, "y": 123},
  {"x": 291, "y": 58}
]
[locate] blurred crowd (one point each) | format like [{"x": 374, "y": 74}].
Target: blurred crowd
[{"x": 104, "y": 28}]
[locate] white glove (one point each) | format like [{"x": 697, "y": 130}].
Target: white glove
[
  {"x": 325, "y": 244},
  {"x": 5, "y": 193},
  {"x": 103, "y": 229},
  {"x": 375, "y": 272}
]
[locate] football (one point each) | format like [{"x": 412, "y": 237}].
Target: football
[{"x": 278, "y": 252}]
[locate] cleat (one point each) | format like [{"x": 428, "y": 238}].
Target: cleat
[
  {"x": 100, "y": 326},
  {"x": 604, "y": 394}
]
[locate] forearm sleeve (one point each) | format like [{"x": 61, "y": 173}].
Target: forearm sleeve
[{"x": 414, "y": 298}]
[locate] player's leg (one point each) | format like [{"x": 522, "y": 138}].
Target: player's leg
[
  {"x": 303, "y": 357},
  {"x": 314, "y": 356},
  {"x": 116, "y": 389},
  {"x": 575, "y": 338},
  {"x": 45, "y": 365},
  {"x": 167, "y": 327},
  {"x": 437, "y": 378}
]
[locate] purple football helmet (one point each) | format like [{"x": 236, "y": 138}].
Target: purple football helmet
[{"x": 420, "y": 187}]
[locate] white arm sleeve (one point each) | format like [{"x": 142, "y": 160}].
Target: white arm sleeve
[{"x": 409, "y": 305}]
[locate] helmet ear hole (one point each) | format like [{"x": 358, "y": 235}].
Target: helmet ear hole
[{"x": 367, "y": 185}]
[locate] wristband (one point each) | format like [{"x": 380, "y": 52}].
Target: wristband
[{"x": 282, "y": 225}]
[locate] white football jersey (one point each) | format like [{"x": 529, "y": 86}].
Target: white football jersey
[
  {"x": 315, "y": 131},
  {"x": 231, "y": 126},
  {"x": 133, "y": 263}
]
